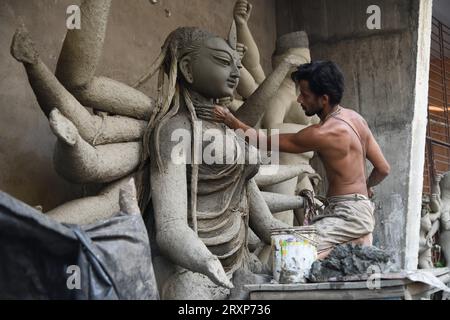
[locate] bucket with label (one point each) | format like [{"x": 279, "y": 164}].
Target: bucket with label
[{"x": 293, "y": 250}]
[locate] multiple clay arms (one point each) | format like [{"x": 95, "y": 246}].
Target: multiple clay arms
[{"x": 105, "y": 146}]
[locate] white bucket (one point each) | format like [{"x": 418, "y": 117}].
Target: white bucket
[{"x": 293, "y": 250}]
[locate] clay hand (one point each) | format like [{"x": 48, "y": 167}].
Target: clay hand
[
  {"x": 294, "y": 60},
  {"x": 241, "y": 50},
  {"x": 242, "y": 11},
  {"x": 128, "y": 198},
  {"x": 215, "y": 272},
  {"x": 222, "y": 115}
]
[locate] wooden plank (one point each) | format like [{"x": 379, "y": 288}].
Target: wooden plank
[
  {"x": 397, "y": 292},
  {"x": 398, "y": 275},
  {"x": 390, "y": 286},
  {"x": 323, "y": 285}
]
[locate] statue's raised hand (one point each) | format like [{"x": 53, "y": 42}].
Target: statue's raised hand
[
  {"x": 215, "y": 272},
  {"x": 242, "y": 11},
  {"x": 241, "y": 50},
  {"x": 294, "y": 60}
]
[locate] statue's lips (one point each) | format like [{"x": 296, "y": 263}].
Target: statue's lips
[{"x": 231, "y": 83}]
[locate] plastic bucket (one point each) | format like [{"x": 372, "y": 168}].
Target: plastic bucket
[{"x": 293, "y": 250}]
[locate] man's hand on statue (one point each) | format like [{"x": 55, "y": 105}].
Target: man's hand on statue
[
  {"x": 215, "y": 272},
  {"x": 242, "y": 11},
  {"x": 222, "y": 114}
]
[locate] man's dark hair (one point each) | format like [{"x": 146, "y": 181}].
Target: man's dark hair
[{"x": 324, "y": 77}]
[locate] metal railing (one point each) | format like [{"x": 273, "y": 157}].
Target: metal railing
[{"x": 437, "y": 153}]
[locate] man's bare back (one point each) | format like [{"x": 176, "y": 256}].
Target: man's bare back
[{"x": 344, "y": 161}]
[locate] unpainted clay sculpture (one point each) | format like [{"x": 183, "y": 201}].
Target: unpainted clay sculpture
[
  {"x": 443, "y": 203},
  {"x": 429, "y": 225},
  {"x": 202, "y": 212}
]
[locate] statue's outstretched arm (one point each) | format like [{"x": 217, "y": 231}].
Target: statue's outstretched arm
[
  {"x": 283, "y": 173},
  {"x": 278, "y": 202},
  {"x": 254, "y": 108},
  {"x": 51, "y": 94},
  {"x": 79, "y": 162},
  {"x": 261, "y": 219},
  {"x": 91, "y": 209},
  {"x": 78, "y": 62},
  {"x": 251, "y": 61}
]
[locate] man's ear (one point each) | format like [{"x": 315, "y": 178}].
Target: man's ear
[
  {"x": 326, "y": 99},
  {"x": 186, "y": 69}
]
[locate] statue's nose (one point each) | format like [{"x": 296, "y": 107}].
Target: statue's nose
[{"x": 236, "y": 74}]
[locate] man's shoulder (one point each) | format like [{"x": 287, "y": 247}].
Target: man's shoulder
[{"x": 355, "y": 115}]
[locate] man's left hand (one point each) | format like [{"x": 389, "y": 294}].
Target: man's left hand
[{"x": 370, "y": 193}]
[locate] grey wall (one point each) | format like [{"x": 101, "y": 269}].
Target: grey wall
[
  {"x": 441, "y": 10},
  {"x": 135, "y": 34},
  {"x": 387, "y": 85}
]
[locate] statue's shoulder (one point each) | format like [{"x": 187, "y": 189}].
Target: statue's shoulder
[
  {"x": 173, "y": 133},
  {"x": 176, "y": 124}
]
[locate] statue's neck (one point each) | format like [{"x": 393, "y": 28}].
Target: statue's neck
[
  {"x": 204, "y": 107},
  {"x": 198, "y": 99}
]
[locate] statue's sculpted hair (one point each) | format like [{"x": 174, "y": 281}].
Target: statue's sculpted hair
[{"x": 180, "y": 43}]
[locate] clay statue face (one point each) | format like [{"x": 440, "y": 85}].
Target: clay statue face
[
  {"x": 310, "y": 103},
  {"x": 213, "y": 71}
]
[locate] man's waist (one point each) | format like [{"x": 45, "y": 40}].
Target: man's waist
[{"x": 347, "y": 197}]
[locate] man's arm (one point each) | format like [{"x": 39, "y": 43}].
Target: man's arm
[
  {"x": 306, "y": 140},
  {"x": 381, "y": 168}
]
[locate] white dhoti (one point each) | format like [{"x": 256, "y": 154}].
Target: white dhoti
[{"x": 344, "y": 219}]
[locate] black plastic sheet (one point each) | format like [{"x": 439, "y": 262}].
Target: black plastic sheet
[{"x": 38, "y": 257}]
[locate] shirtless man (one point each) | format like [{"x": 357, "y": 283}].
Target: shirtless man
[{"x": 343, "y": 141}]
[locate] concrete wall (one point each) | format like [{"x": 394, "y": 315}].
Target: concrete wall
[
  {"x": 135, "y": 34},
  {"x": 441, "y": 11},
  {"x": 386, "y": 75}
]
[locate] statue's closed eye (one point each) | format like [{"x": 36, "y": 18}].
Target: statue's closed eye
[{"x": 222, "y": 60}]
